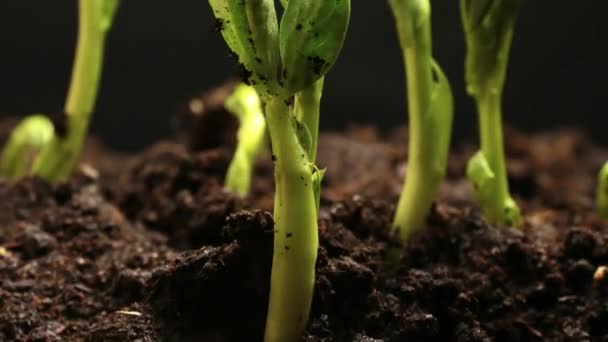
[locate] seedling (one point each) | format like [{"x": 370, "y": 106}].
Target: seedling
[
  {"x": 25, "y": 142},
  {"x": 601, "y": 193},
  {"x": 59, "y": 154},
  {"x": 286, "y": 61},
  {"x": 488, "y": 27},
  {"x": 245, "y": 104},
  {"x": 430, "y": 115}
]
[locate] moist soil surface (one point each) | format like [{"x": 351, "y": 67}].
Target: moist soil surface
[{"x": 151, "y": 247}]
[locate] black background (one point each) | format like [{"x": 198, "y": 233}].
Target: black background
[{"x": 161, "y": 52}]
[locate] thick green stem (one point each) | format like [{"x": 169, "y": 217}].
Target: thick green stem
[
  {"x": 429, "y": 128},
  {"x": 491, "y": 185},
  {"x": 488, "y": 27},
  {"x": 307, "y": 110},
  {"x": 491, "y": 136},
  {"x": 59, "y": 157},
  {"x": 296, "y": 232},
  {"x": 422, "y": 179}
]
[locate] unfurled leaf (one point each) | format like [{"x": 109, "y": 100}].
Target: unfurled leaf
[
  {"x": 311, "y": 37},
  {"x": 250, "y": 29}
]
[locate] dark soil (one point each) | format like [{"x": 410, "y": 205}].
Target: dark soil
[{"x": 152, "y": 248}]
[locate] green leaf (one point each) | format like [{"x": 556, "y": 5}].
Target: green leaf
[
  {"x": 227, "y": 28},
  {"x": 310, "y": 39},
  {"x": 250, "y": 29},
  {"x": 441, "y": 112}
]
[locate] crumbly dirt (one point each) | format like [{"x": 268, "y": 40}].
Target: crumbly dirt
[{"x": 152, "y": 248}]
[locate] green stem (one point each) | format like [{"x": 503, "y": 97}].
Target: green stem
[
  {"x": 296, "y": 232},
  {"x": 491, "y": 136},
  {"x": 423, "y": 176},
  {"x": 57, "y": 160},
  {"x": 491, "y": 185},
  {"x": 307, "y": 110},
  {"x": 245, "y": 104}
]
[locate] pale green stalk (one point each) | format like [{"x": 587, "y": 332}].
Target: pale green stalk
[
  {"x": 307, "y": 110},
  {"x": 430, "y": 116},
  {"x": 488, "y": 27},
  {"x": 245, "y": 104},
  {"x": 295, "y": 224},
  {"x": 288, "y": 61},
  {"x": 58, "y": 158}
]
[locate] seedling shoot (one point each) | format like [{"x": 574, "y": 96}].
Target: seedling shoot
[
  {"x": 24, "y": 144},
  {"x": 430, "y": 116},
  {"x": 488, "y": 27},
  {"x": 245, "y": 104},
  {"x": 283, "y": 61},
  {"x": 59, "y": 154}
]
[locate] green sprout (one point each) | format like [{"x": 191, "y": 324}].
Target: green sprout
[
  {"x": 488, "y": 27},
  {"x": 24, "y": 144},
  {"x": 286, "y": 62},
  {"x": 59, "y": 154},
  {"x": 601, "y": 194},
  {"x": 430, "y": 116},
  {"x": 245, "y": 104}
]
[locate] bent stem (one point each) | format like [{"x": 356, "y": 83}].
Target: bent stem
[
  {"x": 430, "y": 116},
  {"x": 295, "y": 234},
  {"x": 57, "y": 160},
  {"x": 245, "y": 104},
  {"x": 24, "y": 143},
  {"x": 488, "y": 27}
]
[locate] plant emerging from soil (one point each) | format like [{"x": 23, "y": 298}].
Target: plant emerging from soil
[
  {"x": 25, "y": 142},
  {"x": 282, "y": 61},
  {"x": 245, "y": 104},
  {"x": 488, "y": 27},
  {"x": 430, "y": 115},
  {"x": 59, "y": 150}
]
